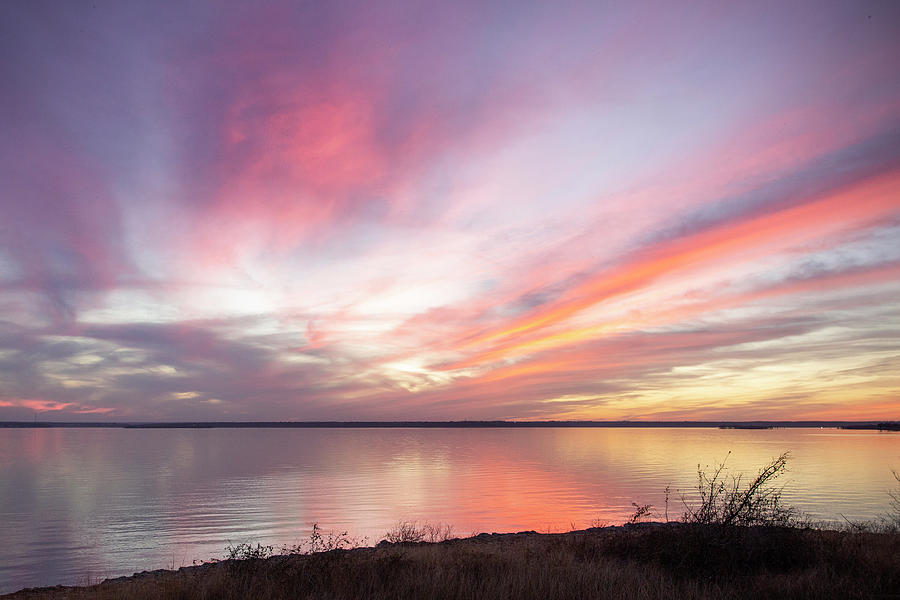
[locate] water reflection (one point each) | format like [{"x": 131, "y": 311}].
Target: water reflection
[{"x": 101, "y": 502}]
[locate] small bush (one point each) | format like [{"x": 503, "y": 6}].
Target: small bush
[
  {"x": 405, "y": 531},
  {"x": 724, "y": 500},
  {"x": 440, "y": 532},
  {"x": 411, "y": 531},
  {"x": 247, "y": 551},
  {"x": 641, "y": 512},
  {"x": 324, "y": 542},
  {"x": 893, "y": 519}
]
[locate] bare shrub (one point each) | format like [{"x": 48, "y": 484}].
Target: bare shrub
[
  {"x": 247, "y": 551},
  {"x": 438, "y": 532},
  {"x": 725, "y": 500},
  {"x": 405, "y": 531},
  {"x": 893, "y": 519},
  {"x": 320, "y": 541},
  {"x": 411, "y": 531},
  {"x": 641, "y": 512}
]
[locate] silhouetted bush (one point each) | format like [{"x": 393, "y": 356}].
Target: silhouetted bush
[
  {"x": 320, "y": 541},
  {"x": 893, "y": 518},
  {"x": 724, "y": 499},
  {"x": 412, "y": 531},
  {"x": 641, "y": 512},
  {"x": 248, "y": 551}
]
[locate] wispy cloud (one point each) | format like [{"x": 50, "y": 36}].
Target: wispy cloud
[{"x": 447, "y": 211}]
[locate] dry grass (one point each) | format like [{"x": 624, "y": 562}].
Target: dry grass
[{"x": 653, "y": 561}]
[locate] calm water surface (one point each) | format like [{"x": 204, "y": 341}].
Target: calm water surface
[{"x": 83, "y": 504}]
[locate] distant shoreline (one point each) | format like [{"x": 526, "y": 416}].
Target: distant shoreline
[{"x": 855, "y": 425}]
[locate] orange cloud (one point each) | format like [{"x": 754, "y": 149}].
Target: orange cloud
[{"x": 850, "y": 208}]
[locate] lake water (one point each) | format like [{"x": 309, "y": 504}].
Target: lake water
[{"x": 78, "y": 505}]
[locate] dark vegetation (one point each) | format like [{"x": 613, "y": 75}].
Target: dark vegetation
[
  {"x": 643, "y": 561},
  {"x": 893, "y": 518},
  {"x": 735, "y": 539},
  {"x": 724, "y": 500}
]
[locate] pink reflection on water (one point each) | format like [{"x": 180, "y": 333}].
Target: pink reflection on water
[{"x": 115, "y": 501}]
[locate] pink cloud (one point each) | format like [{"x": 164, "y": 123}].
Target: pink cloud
[
  {"x": 744, "y": 240},
  {"x": 446, "y": 209},
  {"x": 53, "y": 406}
]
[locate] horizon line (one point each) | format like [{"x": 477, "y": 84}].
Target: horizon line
[{"x": 466, "y": 423}]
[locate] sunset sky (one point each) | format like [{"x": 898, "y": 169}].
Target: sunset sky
[{"x": 449, "y": 210}]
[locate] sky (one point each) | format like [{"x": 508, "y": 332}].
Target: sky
[{"x": 449, "y": 210}]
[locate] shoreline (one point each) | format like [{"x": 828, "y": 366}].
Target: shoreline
[{"x": 641, "y": 560}]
